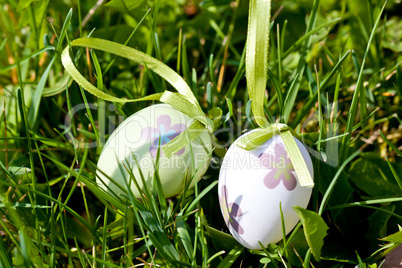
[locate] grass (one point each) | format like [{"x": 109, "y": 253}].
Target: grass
[{"x": 334, "y": 76}]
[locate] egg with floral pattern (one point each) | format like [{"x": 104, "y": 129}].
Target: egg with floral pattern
[
  {"x": 131, "y": 152},
  {"x": 252, "y": 187}
]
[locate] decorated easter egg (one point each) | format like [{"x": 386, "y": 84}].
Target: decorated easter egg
[
  {"x": 131, "y": 152},
  {"x": 252, "y": 187}
]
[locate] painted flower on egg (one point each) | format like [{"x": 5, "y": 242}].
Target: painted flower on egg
[
  {"x": 164, "y": 131},
  {"x": 281, "y": 168},
  {"x": 230, "y": 211}
]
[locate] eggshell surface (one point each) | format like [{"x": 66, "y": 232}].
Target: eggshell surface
[
  {"x": 133, "y": 147},
  {"x": 253, "y": 184}
]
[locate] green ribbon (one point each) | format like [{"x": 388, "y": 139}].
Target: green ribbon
[
  {"x": 184, "y": 101},
  {"x": 257, "y": 56},
  {"x": 257, "y": 76},
  {"x": 259, "y": 136},
  {"x": 180, "y": 103}
]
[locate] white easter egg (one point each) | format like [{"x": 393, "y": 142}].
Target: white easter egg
[
  {"x": 253, "y": 184},
  {"x": 132, "y": 148}
]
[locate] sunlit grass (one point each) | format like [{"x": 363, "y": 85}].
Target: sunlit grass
[{"x": 334, "y": 76}]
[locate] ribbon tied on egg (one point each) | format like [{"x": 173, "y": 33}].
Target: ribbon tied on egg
[
  {"x": 266, "y": 172},
  {"x": 257, "y": 76}
]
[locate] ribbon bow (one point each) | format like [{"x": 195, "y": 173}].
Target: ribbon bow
[
  {"x": 257, "y": 76},
  {"x": 183, "y": 101}
]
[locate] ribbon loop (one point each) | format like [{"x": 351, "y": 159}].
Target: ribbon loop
[
  {"x": 137, "y": 56},
  {"x": 185, "y": 101},
  {"x": 77, "y": 76}
]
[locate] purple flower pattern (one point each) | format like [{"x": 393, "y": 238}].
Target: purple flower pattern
[
  {"x": 230, "y": 211},
  {"x": 281, "y": 168},
  {"x": 165, "y": 131}
]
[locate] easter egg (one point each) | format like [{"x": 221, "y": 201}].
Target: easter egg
[
  {"x": 252, "y": 186},
  {"x": 131, "y": 152}
]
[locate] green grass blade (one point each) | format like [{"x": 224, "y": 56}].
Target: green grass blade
[
  {"x": 5, "y": 259},
  {"x": 200, "y": 195},
  {"x": 359, "y": 83},
  {"x": 248, "y": 114},
  {"x": 329, "y": 54},
  {"x": 184, "y": 62},
  {"x": 64, "y": 29},
  {"x": 128, "y": 39},
  {"x": 278, "y": 89},
  {"x": 101, "y": 105},
  {"x": 330, "y": 188},
  {"x": 184, "y": 235},
  {"x": 79, "y": 253},
  {"x": 362, "y": 98},
  {"x": 158, "y": 236},
  {"x": 288, "y": 103},
  {"x": 27, "y": 58},
  {"x": 293, "y": 90},
  {"x": 307, "y": 35},
  {"x": 279, "y": 52},
  {"x": 356, "y": 127},
  {"x": 33, "y": 111},
  {"x": 239, "y": 75},
  {"x": 368, "y": 202},
  {"x": 210, "y": 98},
  {"x": 194, "y": 82},
  {"x": 3, "y": 44},
  {"x": 396, "y": 176},
  {"x": 230, "y": 108},
  {"x": 36, "y": 99},
  {"x": 231, "y": 257},
  {"x": 25, "y": 249},
  {"x": 390, "y": 144},
  {"x": 306, "y": 108}
]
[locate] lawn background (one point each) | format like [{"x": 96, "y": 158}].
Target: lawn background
[{"x": 53, "y": 213}]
